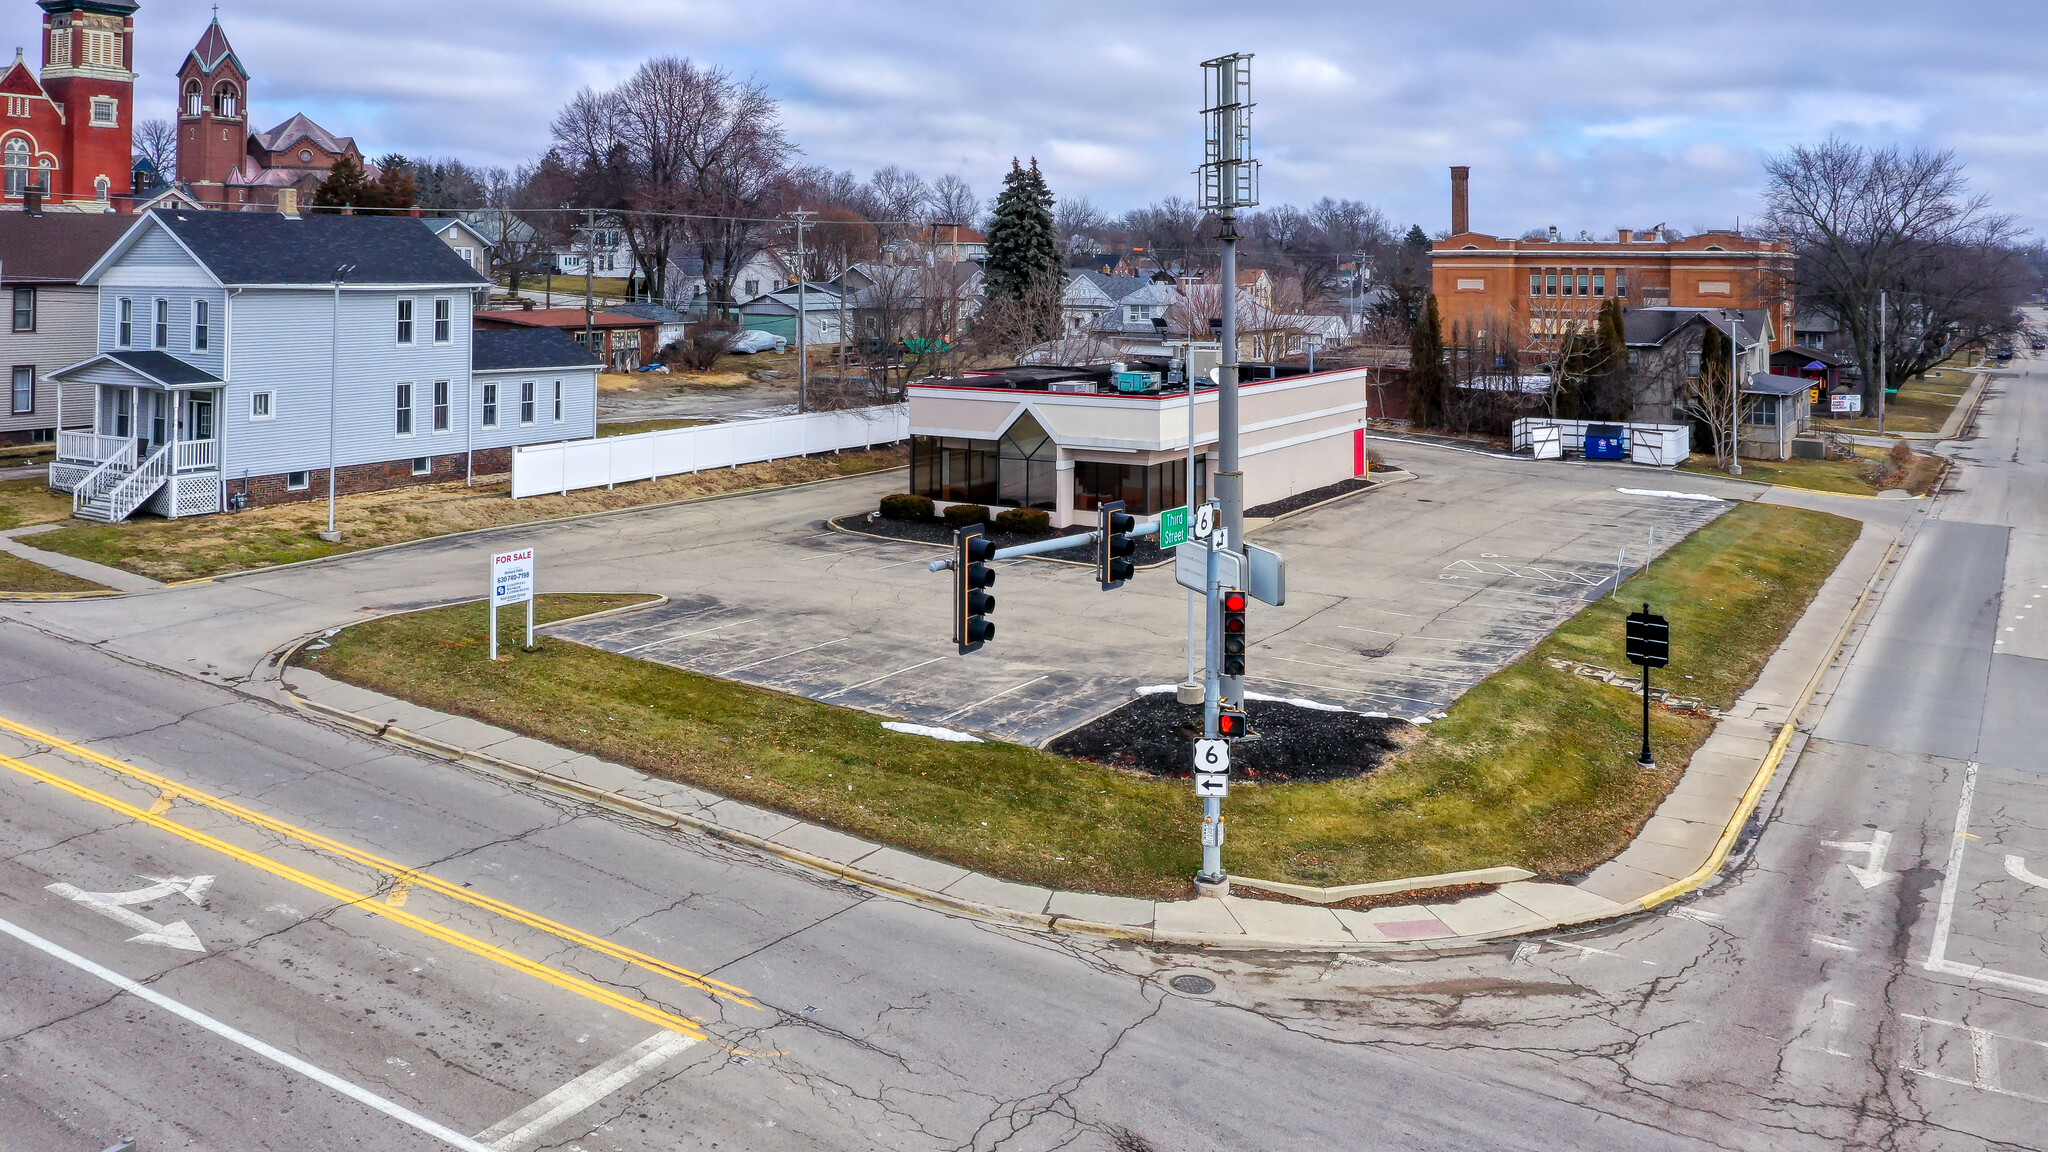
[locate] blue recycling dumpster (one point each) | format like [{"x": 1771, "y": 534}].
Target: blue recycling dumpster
[{"x": 1606, "y": 442}]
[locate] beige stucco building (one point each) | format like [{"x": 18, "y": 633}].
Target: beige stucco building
[{"x": 1065, "y": 440}]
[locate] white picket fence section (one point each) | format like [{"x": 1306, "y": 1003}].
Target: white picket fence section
[{"x": 539, "y": 469}]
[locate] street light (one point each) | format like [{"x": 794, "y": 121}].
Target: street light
[{"x": 332, "y": 535}]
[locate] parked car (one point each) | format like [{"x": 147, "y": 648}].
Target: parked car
[
  {"x": 2040, "y": 344},
  {"x": 754, "y": 340},
  {"x": 2005, "y": 353}
]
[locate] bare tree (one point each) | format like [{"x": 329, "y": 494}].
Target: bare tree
[
  {"x": 1868, "y": 221},
  {"x": 1709, "y": 394},
  {"x": 899, "y": 197},
  {"x": 1077, "y": 219},
  {"x": 157, "y": 142},
  {"x": 1170, "y": 232},
  {"x": 953, "y": 202}
]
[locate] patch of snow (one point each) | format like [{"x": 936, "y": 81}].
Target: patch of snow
[
  {"x": 1298, "y": 702},
  {"x": 1156, "y": 689},
  {"x": 1377, "y": 715},
  {"x": 1422, "y": 720},
  {"x": 934, "y": 733},
  {"x": 1669, "y": 495}
]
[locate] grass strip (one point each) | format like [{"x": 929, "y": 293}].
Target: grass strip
[
  {"x": 171, "y": 550},
  {"x": 30, "y": 501},
  {"x": 1843, "y": 477},
  {"x": 19, "y": 575},
  {"x": 1533, "y": 767}
]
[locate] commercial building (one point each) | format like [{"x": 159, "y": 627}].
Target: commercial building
[
  {"x": 1536, "y": 289},
  {"x": 1065, "y": 439}
]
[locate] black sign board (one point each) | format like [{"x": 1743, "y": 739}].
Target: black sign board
[{"x": 1649, "y": 639}]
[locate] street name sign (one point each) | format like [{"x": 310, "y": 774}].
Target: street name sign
[{"x": 1173, "y": 527}]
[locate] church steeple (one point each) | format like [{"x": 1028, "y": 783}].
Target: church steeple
[{"x": 213, "y": 113}]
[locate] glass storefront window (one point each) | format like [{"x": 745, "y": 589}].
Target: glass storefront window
[
  {"x": 1027, "y": 465},
  {"x": 1146, "y": 489},
  {"x": 951, "y": 468}
]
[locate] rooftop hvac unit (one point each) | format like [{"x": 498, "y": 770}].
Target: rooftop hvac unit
[{"x": 1071, "y": 386}]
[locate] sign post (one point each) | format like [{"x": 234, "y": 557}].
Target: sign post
[
  {"x": 511, "y": 583},
  {"x": 1648, "y": 645}
]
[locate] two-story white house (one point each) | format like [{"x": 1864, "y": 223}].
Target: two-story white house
[{"x": 242, "y": 356}]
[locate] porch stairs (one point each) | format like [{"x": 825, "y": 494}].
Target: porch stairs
[{"x": 113, "y": 491}]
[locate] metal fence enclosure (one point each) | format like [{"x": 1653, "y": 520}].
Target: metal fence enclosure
[
  {"x": 1660, "y": 445},
  {"x": 539, "y": 469}
]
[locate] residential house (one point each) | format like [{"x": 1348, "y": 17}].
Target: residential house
[
  {"x": 467, "y": 242},
  {"x": 777, "y": 312},
  {"x": 1775, "y": 411},
  {"x": 622, "y": 342},
  {"x": 52, "y": 324},
  {"x": 232, "y": 367},
  {"x": 1664, "y": 353},
  {"x": 1090, "y": 294},
  {"x": 671, "y": 325},
  {"x": 912, "y": 301},
  {"x": 1825, "y": 373},
  {"x": 604, "y": 253},
  {"x": 939, "y": 244}
]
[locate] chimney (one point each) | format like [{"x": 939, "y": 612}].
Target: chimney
[
  {"x": 288, "y": 202},
  {"x": 1628, "y": 235},
  {"x": 1461, "y": 200},
  {"x": 32, "y": 200},
  {"x": 1553, "y": 233}
]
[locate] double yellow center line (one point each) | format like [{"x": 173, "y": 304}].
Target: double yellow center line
[{"x": 403, "y": 879}]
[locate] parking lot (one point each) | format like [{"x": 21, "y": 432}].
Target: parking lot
[{"x": 1400, "y": 599}]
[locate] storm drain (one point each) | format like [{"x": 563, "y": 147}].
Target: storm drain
[{"x": 1193, "y": 985}]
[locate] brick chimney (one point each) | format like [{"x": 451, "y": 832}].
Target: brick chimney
[
  {"x": 32, "y": 200},
  {"x": 1627, "y": 235},
  {"x": 1461, "y": 200},
  {"x": 288, "y": 202}
]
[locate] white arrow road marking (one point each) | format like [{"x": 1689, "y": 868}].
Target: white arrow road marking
[
  {"x": 2016, "y": 867},
  {"x": 1872, "y": 873},
  {"x": 113, "y": 905},
  {"x": 524, "y": 1128}
]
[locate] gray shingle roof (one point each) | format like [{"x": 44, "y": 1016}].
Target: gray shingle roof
[
  {"x": 1771, "y": 384},
  {"x": 504, "y": 349},
  {"x": 164, "y": 368},
  {"x": 269, "y": 248}
]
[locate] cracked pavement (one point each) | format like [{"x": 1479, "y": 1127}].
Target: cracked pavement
[{"x": 1789, "y": 1006}]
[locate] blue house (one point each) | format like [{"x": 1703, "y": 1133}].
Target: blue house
[{"x": 243, "y": 354}]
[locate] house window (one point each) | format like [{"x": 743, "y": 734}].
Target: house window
[
  {"x": 106, "y": 112},
  {"x": 260, "y": 405},
  {"x": 100, "y": 48},
  {"x": 125, "y": 329},
  {"x": 1582, "y": 282},
  {"x": 16, "y": 154},
  {"x": 1535, "y": 283},
  {"x": 24, "y": 309},
  {"x": 124, "y": 412},
  {"x": 405, "y": 321},
  {"x": 1620, "y": 285},
  {"x": 305, "y": 156},
  {"x": 1550, "y": 284},
  {"x": 202, "y": 325},
  {"x": 298, "y": 481},
  {"x": 558, "y": 401},
  {"x": 440, "y": 405},
  {"x": 163, "y": 324},
  {"x": 404, "y": 410},
  {"x": 526, "y": 402},
  {"x": 753, "y": 287},
  {"x": 468, "y": 255},
  {"x": 1763, "y": 412},
  {"x": 1599, "y": 283},
  {"x": 490, "y": 405},
  {"x": 17, "y": 107},
  {"x": 444, "y": 325},
  {"x": 24, "y": 389},
  {"x": 422, "y": 465}
]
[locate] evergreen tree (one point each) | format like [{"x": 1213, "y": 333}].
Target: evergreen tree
[
  {"x": 397, "y": 187},
  {"x": 1416, "y": 239},
  {"x": 1024, "y": 268},
  {"x": 1426, "y": 374},
  {"x": 347, "y": 188},
  {"x": 1612, "y": 391}
]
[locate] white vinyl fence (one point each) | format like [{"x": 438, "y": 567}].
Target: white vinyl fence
[
  {"x": 542, "y": 468},
  {"x": 1659, "y": 445}
]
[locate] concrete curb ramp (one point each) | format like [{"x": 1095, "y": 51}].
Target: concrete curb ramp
[{"x": 1682, "y": 847}]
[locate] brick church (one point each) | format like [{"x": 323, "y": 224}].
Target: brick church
[
  {"x": 221, "y": 163},
  {"x": 67, "y": 133}
]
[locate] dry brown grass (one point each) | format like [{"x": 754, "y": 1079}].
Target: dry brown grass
[
  {"x": 281, "y": 534},
  {"x": 30, "y": 501},
  {"x": 18, "y": 575}
]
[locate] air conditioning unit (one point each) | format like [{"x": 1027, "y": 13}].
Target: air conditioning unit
[{"x": 1071, "y": 386}]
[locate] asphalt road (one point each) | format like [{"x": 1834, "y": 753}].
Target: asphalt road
[{"x": 539, "y": 981}]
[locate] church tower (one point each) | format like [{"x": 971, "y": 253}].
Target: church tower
[
  {"x": 89, "y": 71},
  {"x": 213, "y": 116}
]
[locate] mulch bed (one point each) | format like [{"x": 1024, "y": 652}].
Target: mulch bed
[
  {"x": 1146, "y": 553},
  {"x": 1151, "y": 734},
  {"x": 1300, "y": 500}
]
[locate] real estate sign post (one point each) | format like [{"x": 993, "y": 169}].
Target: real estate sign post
[{"x": 511, "y": 583}]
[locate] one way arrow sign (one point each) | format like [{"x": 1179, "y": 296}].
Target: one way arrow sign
[
  {"x": 1872, "y": 872},
  {"x": 114, "y": 906}
]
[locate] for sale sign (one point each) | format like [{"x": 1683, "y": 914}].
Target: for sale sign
[{"x": 511, "y": 577}]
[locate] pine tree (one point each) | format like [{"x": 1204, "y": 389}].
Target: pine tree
[
  {"x": 1023, "y": 273},
  {"x": 1416, "y": 239},
  {"x": 1426, "y": 375},
  {"x": 1612, "y": 390},
  {"x": 346, "y": 187}
]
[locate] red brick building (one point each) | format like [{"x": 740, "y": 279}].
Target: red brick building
[
  {"x": 68, "y": 133},
  {"x": 220, "y": 160},
  {"x": 1539, "y": 289},
  {"x": 622, "y": 342}
]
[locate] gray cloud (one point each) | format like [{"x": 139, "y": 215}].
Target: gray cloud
[{"x": 1584, "y": 114}]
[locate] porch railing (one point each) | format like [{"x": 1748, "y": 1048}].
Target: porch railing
[
  {"x": 102, "y": 479},
  {"x": 198, "y": 455},
  {"x": 93, "y": 448},
  {"x": 128, "y": 495}
]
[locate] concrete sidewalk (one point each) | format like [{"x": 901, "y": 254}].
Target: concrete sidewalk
[
  {"x": 115, "y": 578},
  {"x": 1681, "y": 847}
]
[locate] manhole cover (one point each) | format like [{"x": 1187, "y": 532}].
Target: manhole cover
[{"x": 1193, "y": 985}]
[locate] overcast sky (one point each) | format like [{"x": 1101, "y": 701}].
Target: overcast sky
[{"x": 1587, "y": 114}]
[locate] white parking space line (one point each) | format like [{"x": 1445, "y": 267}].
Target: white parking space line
[
  {"x": 524, "y": 1128},
  {"x": 782, "y": 656},
  {"x": 235, "y": 1036},
  {"x": 882, "y": 677},
  {"x": 679, "y": 636},
  {"x": 997, "y": 696},
  {"x": 1945, "y": 915},
  {"x": 1984, "y": 1071}
]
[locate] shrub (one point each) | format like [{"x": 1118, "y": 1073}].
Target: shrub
[
  {"x": 1024, "y": 521},
  {"x": 906, "y": 506},
  {"x": 961, "y": 515},
  {"x": 1901, "y": 453}
]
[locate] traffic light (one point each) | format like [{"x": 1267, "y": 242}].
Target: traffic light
[
  {"x": 1233, "y": 631},
  {"x": 971, "y": 574},
  {"x": 1232, "y": 723},
  {"x": 1113, "y": 546}
]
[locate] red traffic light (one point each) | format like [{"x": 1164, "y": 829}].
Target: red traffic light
[{"x": 1233, "y": 601}]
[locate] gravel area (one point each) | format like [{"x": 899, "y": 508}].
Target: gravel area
[{"x": 1289, "y": 743}]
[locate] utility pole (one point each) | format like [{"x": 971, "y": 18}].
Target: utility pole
[
  {"x": 1735, "y": 394},
  {"x": 589, "y": 271},
  {"x": 803, "y": 351},
  {"x": 333, "y": 534},
  {"x": 1228, "y": 181},
  {"x": 1882, "y": 380}
]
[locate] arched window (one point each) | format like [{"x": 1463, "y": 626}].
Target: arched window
[
  {"x": 225, "y": 103},
  {"x": 192, "y": 98},
  {"x": 16, "y": 154},
  {"x": 43, "y": 176},
  {"x": 102, "y": 187}
]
